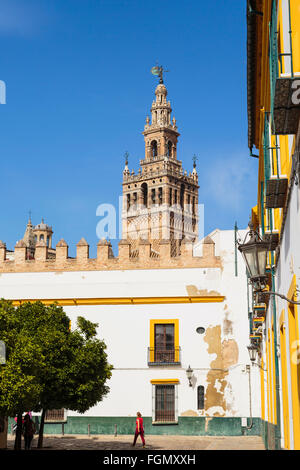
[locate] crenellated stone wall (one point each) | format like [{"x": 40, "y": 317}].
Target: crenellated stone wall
[{"x": 144, "y": 258}]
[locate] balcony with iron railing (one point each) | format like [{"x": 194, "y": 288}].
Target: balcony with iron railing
[
  {"x": 274, "y": 187},
  {"x": 284, "y": 79},
  {"x": 159, "y": 357}
]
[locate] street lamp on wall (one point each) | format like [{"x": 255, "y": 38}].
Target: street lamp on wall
[
  {"x": 255, "y": 253},
  {"x": 189, "y": 373},
  {"x": 252, "y": 349}
]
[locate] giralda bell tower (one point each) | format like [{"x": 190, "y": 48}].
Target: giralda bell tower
[{"x": 160, "y": 202}]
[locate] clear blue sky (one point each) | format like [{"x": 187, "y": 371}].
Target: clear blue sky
[{"x": 78, "y": 91}]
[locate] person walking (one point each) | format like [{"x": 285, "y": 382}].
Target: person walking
[
  {"x": 28, "y": 431},
  {"x": 139, "y": 430}
]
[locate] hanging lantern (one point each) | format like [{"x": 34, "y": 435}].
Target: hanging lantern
[{"x": 255, "y": 253}]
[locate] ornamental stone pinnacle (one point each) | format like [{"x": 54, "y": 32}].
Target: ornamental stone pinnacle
[
  {"x": 82, "y": 242},
  {"x": 62, "y": 242},
  {"x": 20, "y": 244}
]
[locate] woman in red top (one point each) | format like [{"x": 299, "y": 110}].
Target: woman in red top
[{"x": 139, "y": 430}]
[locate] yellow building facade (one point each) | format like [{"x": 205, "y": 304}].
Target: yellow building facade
[{"x": 273, "y": 82}]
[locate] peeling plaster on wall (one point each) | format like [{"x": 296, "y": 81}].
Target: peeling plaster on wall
[
  {"x": 216, "y": 411},
  {"x": 218, "y": 385},
  {"x": 229, "y": 397},
  {"x": 230, "y": 353},
  {"x": 189, "y": 413},
  {"x": 213, "y": 396},
  {"x": 193, "y": 290},
  {"x": 207, "y": 420},
  {"x": 227, "y": 324},
  {"x": 226, "y": 355}
]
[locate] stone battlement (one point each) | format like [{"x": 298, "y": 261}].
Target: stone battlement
[{"x": 141, "y": 258}]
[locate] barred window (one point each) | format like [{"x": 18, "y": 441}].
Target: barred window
[
  {"x": 55, "y": 416},
  {"x": 164, "y": 403}
]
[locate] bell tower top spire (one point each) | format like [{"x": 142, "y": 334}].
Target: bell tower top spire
[
  {"x": 161, "y": 108},
  {"x": 160, "y": 132}
]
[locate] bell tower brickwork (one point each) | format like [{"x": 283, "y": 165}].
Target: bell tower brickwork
[{"x": 160, "y": 202}]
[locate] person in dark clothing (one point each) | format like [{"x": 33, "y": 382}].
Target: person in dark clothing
[
  {"x": 28, "y": 431},
  {"x": 139, "y": 430}
]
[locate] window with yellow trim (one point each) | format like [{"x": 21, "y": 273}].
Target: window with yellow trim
[
  {"x": 165, "y": 403},
  {"x": 164, "y": 342}
]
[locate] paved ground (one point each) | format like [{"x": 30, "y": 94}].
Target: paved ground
[{"x": 104, "y": 442}]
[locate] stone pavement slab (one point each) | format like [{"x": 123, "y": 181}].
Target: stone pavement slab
[{"x": 124, "y": 442}]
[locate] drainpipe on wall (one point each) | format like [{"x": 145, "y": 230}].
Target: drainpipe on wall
[
  {"x": 291, "y": 42},
  {"x": 235, "y": 250},
  {"x": 248, "y": 369}
]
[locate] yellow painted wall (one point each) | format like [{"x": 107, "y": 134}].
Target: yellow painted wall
[
  {"x": 262, "y": 390},
  {"x": 273, "y": 376},
  {"x": 294, "y": 363},
  {"x": 269, "y": 380},
  {"x": 295, "y": 26},
  {"x": 284, "y": 380}
]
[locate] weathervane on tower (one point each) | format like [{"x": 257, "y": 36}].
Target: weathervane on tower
[
  {"x": 158, "y": 72},
  {"x": 126, "y": 155}
]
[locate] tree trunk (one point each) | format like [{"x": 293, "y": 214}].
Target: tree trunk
[
  {"x": 18, "y": 440},
  {"x": 41, "y": 430},
  {"x": 3, "y": 432}
]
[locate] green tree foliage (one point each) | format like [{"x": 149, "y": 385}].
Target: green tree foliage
[{"x": 47, "y": 365}]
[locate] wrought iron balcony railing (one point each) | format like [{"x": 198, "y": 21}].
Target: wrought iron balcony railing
[
  {"x": 285, "y": 107},
  {"x": 157, "y": 357}
]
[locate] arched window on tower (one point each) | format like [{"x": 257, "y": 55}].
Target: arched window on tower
[
  {"x": 153, "y": 148},
  {"x": 160, "y": 195},
  {"x": 169, "y": 149},
  {"x": 144, "y": 189},
  {"x": 41, "y": 237},
  {"x": 182, "y": 196},
  {"x": 200, "y": 397}
]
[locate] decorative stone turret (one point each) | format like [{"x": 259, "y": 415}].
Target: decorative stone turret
[
  {"x": 82, "y": 250},
  {"x": 29, "y": 239},
  {"x": 20, "y": 251},
  {"x": 61, "y": 251},
  {"x": 2, "y": 252},
  {"x": 43, "y": 232},
  {"x": 124, "y": 250},
  {"x": 103, "y": 250},
  {"x": 208, "y": 247},
  {"x": 41, "y": 251}
]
